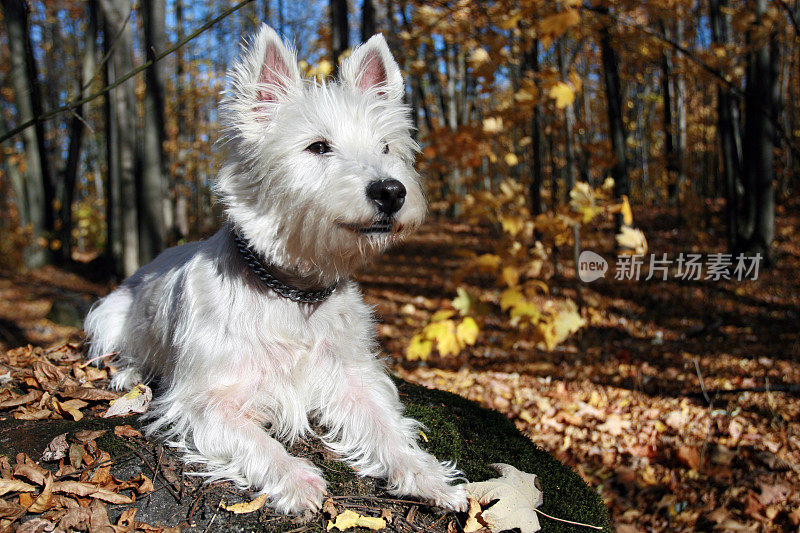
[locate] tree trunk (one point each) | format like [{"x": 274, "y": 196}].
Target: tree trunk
[
  {"x": 39, "y": 190},
  {"x": 670, "y": 155},
  {"x": 124, "y": 103},
  {"x": 619, "y": 171},
  {"x": 679, "y": 85},
  {"x": 537, "y": 172},
  {"x": 569, "y": 125},
  {"x": 367, "y": 20},
  {"x": 77, "y": 124},
  {"x": 340, "y": 32},
  {"x": 729, "y": 132},
  {"x": 154, "y": 207},
  {"x": 757, "y": 229}
]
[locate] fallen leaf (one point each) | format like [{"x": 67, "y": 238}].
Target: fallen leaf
[
  {"x": 690, "y": 456},
  {"x": 474, "y": 518},
  {"x": 42, "y": 502},
  {"x": 136, "y": 401},
  {"x": 57, "y": 449},
  {"x": 30, "y": 397},
  {"x": 126, "y": 521},
  {"x": 10, "y": 509},
  {"x": 517, "y": 496},
  {"x": 246, "y": 507},
  {"x": 81, "y": 488},
  {"x": 31, "y": 471},
  {"x": 348, "y": 519},
  {"x": 87, "y": 435},
  {"x": 14, "y": 485},
  {"x": 126, "y": 431},
  {"x": 98, "y": 521},
  {"x": 76, "y": 519}
]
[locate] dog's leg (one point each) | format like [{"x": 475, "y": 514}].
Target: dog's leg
[
  {"x": 363, "y": 413},
  {"x": 233, "y": 445}
]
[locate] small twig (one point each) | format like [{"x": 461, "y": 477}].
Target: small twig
[
  {"x": 378, "y": 498},
  {"x": 702, "y": 383},
  {"x": 154, "y": 471},
  {"x": 567, "y": 521},
  {"x": 93, "y": 359}
]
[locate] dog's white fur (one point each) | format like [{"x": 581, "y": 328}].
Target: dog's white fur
[{"x": 240, "y": 367}]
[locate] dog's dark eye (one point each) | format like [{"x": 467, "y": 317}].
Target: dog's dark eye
[
  {"x": 386, "y": 148},
  {"x": 319, "y": 147}
]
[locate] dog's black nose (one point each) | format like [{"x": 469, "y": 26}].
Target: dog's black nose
[{"x": 388, "y": 195}]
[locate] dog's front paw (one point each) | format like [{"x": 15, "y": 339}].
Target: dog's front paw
[
  {"x": 301, "y": 488},
  {"x": 431, "y": 481}
]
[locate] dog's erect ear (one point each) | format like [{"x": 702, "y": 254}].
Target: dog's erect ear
[
  {"x": 371, "y": 67},
  {"x": 269, "y": 66}
]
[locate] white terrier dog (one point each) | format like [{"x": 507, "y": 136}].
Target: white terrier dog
[{"x": 257, "y": 329}]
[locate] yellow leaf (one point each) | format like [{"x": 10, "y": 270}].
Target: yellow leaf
[
  {"x": 488, "y": 262},
  {"x": 463, "y": 302},
  {"x": 526, "y": 309},
  {"x": 511, "y": 159},
  {"x": 511, "y": 276},
  {"x": 246, "y": 507},
  {"x": 347, "y": 519},
  {"x": 564, "y": 322},
  {"x": 555, "y": 25},
  {"x": 632, "y": 240},
  {"x": 627, "y": 213},
  {"x": 467, "y": 331},
  {"x": 563, "y": 94},
  {"x": 524, "y": 95},
  {"x": 511, "y": 224},
  {"x": 447, "y": 341},
  {"x": 510, "y": 298},
  {"x": 442, "y": 314},
  {"x": 419, "y": 348},
  {"x": 493, "y": 125},
  {"x": 478, "y": 57}
]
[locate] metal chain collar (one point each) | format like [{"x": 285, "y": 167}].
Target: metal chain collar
[{"x": 261, "y": 269}]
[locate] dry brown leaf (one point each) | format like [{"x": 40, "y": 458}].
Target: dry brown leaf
[
  {"x": 42, "y": 502},
  {"x": 76, "y": 519},
  {"x": 90, "y": 394},
  {"x": 329, "y": 508},
  {"x": 98, "y": 521},
  {"x": 126, "y": 431},
  {"x": 517, "y": 494},
  {"x": 70, "y": 408},
  {"x": 57, "y": 449},
  {"x": 34, "y": 414},
  {"x": 246, "y": 507},
  {"x": 126, "y": 522},
  {"x": 10, "y": 509},
  {"x": 76, "y": 455},
  {"x": 35, "y": 525},
  {"x": 31, "y": 471},
  {"x": 348, "y": 519},
  {"x": 690, "y": 456},
  {"x": 474, "y": 518},
  {"x": 81, "y": 488},
  {"x": 87, "y": 435},
  {"x": 14, "y": 485},
  {"x": 15, "y": 401}
]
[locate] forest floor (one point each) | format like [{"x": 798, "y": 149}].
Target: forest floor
[{"x": 678, "y": 401}]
